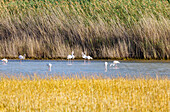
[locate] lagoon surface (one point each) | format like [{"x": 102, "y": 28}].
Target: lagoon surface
[{"x": 62, "y": 67}]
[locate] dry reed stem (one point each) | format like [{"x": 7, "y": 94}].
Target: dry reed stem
[{"x": 84, "y": 94}]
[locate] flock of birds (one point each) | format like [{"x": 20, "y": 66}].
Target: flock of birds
[
  {"x": 69, "y": 57},
  {"x": 21, "y": 57}
]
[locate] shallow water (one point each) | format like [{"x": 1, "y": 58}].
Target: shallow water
[{"x": 62, "y": 67}]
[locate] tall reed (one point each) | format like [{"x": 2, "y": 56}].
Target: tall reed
[{"x": 105, "y": 29}]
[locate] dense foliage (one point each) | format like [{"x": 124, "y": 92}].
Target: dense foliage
[{"x": 103, "y": 28}]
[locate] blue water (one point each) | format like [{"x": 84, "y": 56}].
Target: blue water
[{"x": 62, "y": 67}]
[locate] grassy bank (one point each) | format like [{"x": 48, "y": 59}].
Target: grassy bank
[
  {"x": 85, "y": 94},
  {"x": 103, "y": 28}
]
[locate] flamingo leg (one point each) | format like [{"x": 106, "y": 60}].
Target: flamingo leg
[
  {"x": 115, "y": 65},
  {"x": 68, "y": 61},
  {"x": 49, "y": 68},
  {"x": 88, "y": 61},
  {"x": 105, "y": 69}
]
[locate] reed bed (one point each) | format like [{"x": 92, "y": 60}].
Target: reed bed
[
  {"x": 102, "y": 28},
  {"x": 84, "y": 94}
]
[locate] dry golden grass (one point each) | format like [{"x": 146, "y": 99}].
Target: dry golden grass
[{"x": 84, "y": 94}]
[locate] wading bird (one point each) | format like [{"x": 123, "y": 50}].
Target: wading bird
[
  {"x": 69, "y": 57},
  {"x": 22, "y": 57},
  {"x": 89, "y": 57},
  {"x": 49, "y": 66},
  {"x": 4, "y": 61},
  {"x": 114, "y": 63},
  {"x": 86, "y": 57},
  {"x": 106, "y": 63}
]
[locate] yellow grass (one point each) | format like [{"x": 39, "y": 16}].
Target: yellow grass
[{"x": 84, "y": 94}]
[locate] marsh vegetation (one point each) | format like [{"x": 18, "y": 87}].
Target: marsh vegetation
[
  {"x": 103, "y": 28},
  {"x": 84, "y": 94}
]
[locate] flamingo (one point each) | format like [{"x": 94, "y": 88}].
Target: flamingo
[
  {"x": 4, "y": 61},
  {"x": 83, "y": 56},
  {"x": 106, "y": 63},
  {"x": 69, "y": 57},
  {"x": 22, "y": 57},
  {"x": 49, "y": 66},
  {"x": 73, "y": 55},
  {"x": 86, "y": 57},
  {"x": 89, "y": 57},
  {"x": 114, "y": 63}
]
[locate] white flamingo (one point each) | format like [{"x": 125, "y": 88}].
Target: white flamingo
[
  {"x": 4, "y": 61},
  {"x": 73, "y": 55},
  {"x": 49, "y": 66},
  {"x": 69, "y": 57},
  {"x": 114, "y": 63},
  {"x": 89, "y": 57},
  {"x": 106, "y": 63},
  {"x": 22, "y": 57},
  {"x": 83, "y": 55},
  {"x": 86, "y": 57}
]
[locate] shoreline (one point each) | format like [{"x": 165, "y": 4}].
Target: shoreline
[{"x": 99, "y": 59}]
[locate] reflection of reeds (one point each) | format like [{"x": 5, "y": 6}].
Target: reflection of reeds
[
  {"x": 105, "y": 29},
  {"x": 84, "y": 94}
]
